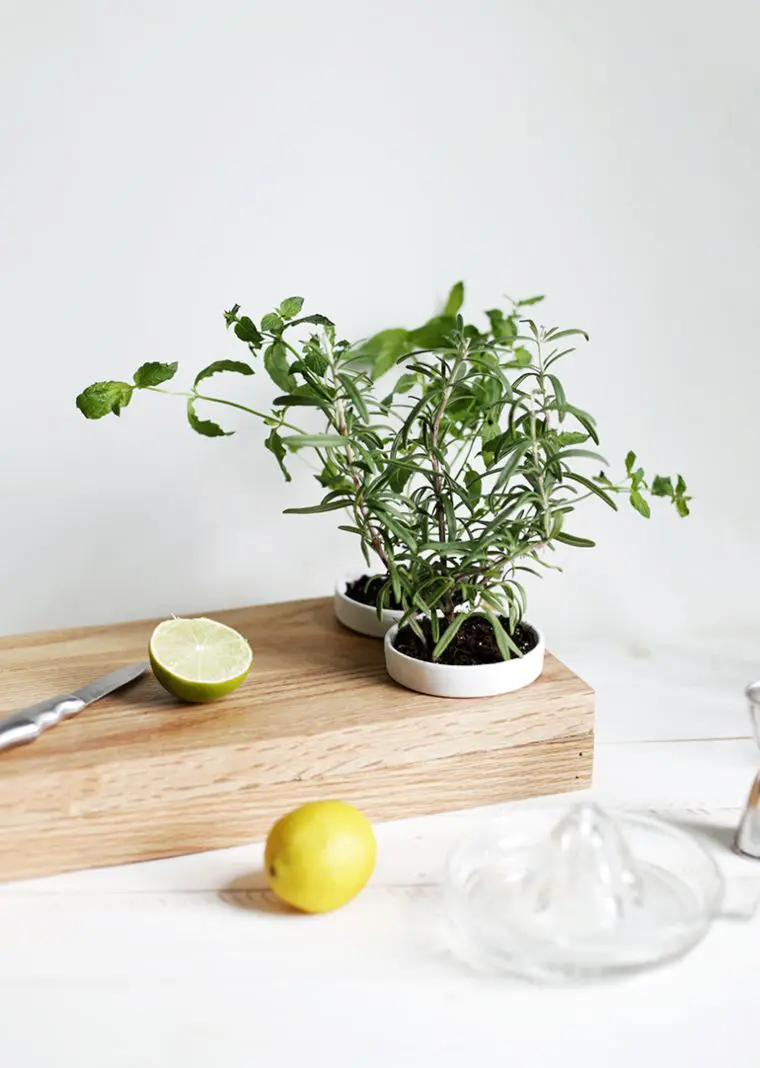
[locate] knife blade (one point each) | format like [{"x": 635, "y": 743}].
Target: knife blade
[{"x": 28, "y": 723}]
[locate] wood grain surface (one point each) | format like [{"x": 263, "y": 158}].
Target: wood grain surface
[{"x": 139, "y": 776}]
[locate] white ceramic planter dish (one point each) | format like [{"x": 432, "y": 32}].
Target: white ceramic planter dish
[
  {"x": 445, "y": 680},
  {"x": 361, "y": 617}
]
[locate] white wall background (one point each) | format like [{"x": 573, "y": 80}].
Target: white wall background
[{"x": 162, "y": 160}]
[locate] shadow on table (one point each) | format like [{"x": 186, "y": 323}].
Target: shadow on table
[
  {"x": 741, "y": 899},
  {"x": 251, "y": 893},
  {"x": 715, "y": 833}
]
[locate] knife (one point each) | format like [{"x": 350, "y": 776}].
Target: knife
[{"x": 29, "y": 723}]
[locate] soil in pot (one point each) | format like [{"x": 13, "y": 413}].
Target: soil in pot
[
  {"x": 366, "y": 590},
  {"x": 473, "y": 644}
]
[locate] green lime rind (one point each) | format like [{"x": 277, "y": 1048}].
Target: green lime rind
[
  {"x": 194, "y": 692},
  {"x": 198, "y": 646}
]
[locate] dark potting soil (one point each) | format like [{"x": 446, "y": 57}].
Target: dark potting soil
[
  {"x": 366, "y": 590},
  {"x": 473, "y": 644}
]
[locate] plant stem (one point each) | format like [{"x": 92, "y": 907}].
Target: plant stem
[
  {"x": 545, "y": 503},
  {"x": 468, "y": 448},
  {"x": 362, "y": 513},
  {"x": 221, "y": 400},
  {"x": 435, "y": 429},
  {"x": 240, "y": 407}
]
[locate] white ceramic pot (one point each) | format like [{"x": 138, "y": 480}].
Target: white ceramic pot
[
  {"x": 446, "y": 680},
  {"x": 361, "y": 617}
]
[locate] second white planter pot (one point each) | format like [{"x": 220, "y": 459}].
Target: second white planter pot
[
  {"x": 361, "y": 617},
  {"x": 447, "y": 680}
]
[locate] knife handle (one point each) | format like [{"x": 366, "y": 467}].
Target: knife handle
[{"x": 29, "y": 723}]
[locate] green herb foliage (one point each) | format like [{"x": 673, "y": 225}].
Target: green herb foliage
[{"x": 461, "y": 477}]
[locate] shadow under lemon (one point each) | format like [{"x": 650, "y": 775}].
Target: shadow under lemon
[{"x": 317, "y": 858}]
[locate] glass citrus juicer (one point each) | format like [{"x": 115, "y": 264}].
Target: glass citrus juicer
[{"x": 580, "y": 893}]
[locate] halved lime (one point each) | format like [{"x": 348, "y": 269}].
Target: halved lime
[{"x": 199, "y": 659}]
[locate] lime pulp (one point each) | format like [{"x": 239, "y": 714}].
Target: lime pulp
[{"x": 200, "y": 659}]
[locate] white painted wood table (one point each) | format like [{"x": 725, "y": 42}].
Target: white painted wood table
[{"x": 187, "y": 963}]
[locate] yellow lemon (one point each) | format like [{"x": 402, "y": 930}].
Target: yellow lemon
[{"x": 320, "y": 855}]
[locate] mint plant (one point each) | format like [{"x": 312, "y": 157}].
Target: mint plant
[
  {"x": 460, "y": 477},
  {"x": 314, "y": 370}
]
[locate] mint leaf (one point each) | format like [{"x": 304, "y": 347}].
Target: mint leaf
[
  {"x": 662, "y": 487},
  {"x": 153, "y": 374},
  {"x": 529, "y": 300},
  {"x": 278, "y": 450},
  {"x": 272, "y": 323},
  {"x": 434, "y": 333},
  {"x": 102, "y": 398},
  {"x": 474, "y": 484},
  {"x": 246, "y": 330},
  {"x": 488, "y": 432},
  {"x": 455, "y": 299},
  {"x": 206, "y": 427},
  {"x": 630, "y": 460},
  {"x": 276, "y": 363},
  {"x": 331, "y": 477},
  {"x": 405, "y": 383},
  {"x": 316, "y": 363},
  {"x": 501, "y": 328},
  {"x": 384, "y": 349},
  {"x": 641, "y": 506},
  {"x": 400, "y": 475},
  {"x": 570, "y": 437},
  {"x": 290, "y": 307},
  {"x": 223, "y": 365},
  {"x": 230, "y": 317},
  {"x": 317, "y": 320}
]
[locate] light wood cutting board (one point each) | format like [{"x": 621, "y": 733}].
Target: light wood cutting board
[{"x": 139, "y": 776}]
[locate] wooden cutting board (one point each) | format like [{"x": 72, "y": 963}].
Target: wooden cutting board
[{"x": 139, "y": 776}]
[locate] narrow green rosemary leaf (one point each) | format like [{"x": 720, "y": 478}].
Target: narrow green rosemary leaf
[
  {"x": 314, "y": 441},
  {"x": 571, "y": 539},
  {"x": 449, "y": 634},
  {"x": 315, "y": 509}
]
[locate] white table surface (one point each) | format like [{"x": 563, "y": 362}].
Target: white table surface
[{"x": 188, "y": 962}]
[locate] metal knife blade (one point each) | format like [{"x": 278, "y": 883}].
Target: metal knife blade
[
  {"x": 28, "y": 723},
  {"x": 114, "y": 680}
]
